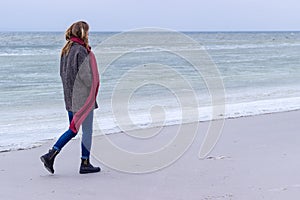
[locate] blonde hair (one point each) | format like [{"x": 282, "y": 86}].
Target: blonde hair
[{"x": 78, "y": 29}]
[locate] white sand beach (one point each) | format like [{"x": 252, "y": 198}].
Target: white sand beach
[{"x": 256, "y": 158}]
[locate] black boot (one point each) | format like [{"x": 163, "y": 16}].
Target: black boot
[
  {"x": 48, "y": 159},
  {"x": 86, "y": 167}
]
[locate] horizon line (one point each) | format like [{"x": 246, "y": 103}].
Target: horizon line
[{"x": 132, "y": 30}]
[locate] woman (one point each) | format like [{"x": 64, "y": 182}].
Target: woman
[{"x": 80, "y": 78}]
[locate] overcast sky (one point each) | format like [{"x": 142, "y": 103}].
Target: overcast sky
[{"x": 181, "y": 15}]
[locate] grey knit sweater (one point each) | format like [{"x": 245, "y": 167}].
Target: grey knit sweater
[{"x": 76, "y": 76}]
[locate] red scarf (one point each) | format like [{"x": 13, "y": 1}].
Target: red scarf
[{"x": 89, "y": 104}]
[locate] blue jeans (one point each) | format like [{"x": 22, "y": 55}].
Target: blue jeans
[{"x": 86, "y": 141}]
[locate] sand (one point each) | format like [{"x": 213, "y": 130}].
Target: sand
[{"x": 255, "y": 158}]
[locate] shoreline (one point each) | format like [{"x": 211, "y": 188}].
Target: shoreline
[
  {"x": 255, "y": 158},
  {"x": 44, "y": 141}
]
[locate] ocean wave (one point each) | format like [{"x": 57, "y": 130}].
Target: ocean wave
[
  {"x": 256, "y": 83},
  {"x": 142, "y": 120},
  {"x": 250, "y": 46}
]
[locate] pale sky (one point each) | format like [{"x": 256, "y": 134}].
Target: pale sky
[{"x": 180, "y": 15}]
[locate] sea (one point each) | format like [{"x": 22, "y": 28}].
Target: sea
[{"x": 141, "y": 86}]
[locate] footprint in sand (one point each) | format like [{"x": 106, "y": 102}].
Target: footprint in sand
[
  {"x": 218, "y": 157},
  {"x": 284, "y": 188}
]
